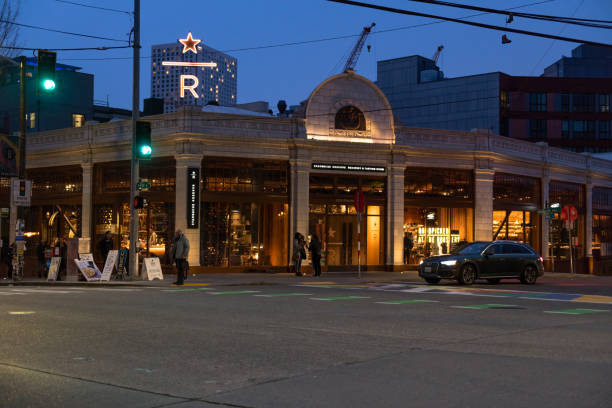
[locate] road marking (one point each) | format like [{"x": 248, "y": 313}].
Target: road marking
[
  {"x": 26, "y": 312},
  {"x": 234, "y": 292},
  {"x": 317, "y": 283},
  {"x": 488, "y": 306},
  {"x": 62, "y": 292},
  {"x": 594, "y": 299},
  {"x": 341, "y": 298},
  {"x": 576, "y": 311},
  {"x": 285, "y": 294},
  {"x": 408, "y": 301},
  {"x": 185, "y": 290},
  {"x": 12, "y": 293}
]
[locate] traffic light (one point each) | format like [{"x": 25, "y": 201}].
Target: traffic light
[
  {"x": 46, "y": 70},
  {"x": 140, "y": 202},
  {"x": 142, "y": 148},
  {"x": 22, "y": 188}
]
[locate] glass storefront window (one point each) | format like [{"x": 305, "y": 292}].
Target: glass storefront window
[
  {"x": 567, "y": 194},
  {"x": 244, "y": 234},
  {"x": 253, "y": 176},
  {"x": 337, "y": 229},
  {"x": 602, "y": 235},
  {"x": 514, "y": 226},
  {"x": 438, "y": 183},
  {"x": 437, "y": 230}
]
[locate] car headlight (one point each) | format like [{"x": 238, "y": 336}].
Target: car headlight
[
  {"x": 421, "y": 262},
  {"x": 449, "y": 263}
]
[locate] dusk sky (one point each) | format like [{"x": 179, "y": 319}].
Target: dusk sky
[{"x": 292, "y": 72}]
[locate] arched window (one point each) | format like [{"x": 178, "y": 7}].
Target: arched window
[{"x": 350, "y": 118}]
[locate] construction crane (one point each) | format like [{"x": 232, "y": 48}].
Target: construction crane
[
  {"x": 352, "y": 59},
  {"x": 437, "y": 54}
]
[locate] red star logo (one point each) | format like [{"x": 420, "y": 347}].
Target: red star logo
[{"x": 189, "y": 44}]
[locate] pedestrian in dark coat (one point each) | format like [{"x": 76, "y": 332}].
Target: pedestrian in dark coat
[
  {"x": 106, "y": 245},
  {"x": 315, "y": 250},
  {"x": 179, "y": 255},
  {"x": 299, "y": 253},
  {"x": 40, "y": 255}
]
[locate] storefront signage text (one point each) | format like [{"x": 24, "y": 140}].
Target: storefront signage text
[
  {"x": 193, "y": 197},
  {"x": 348, "y": 167}
]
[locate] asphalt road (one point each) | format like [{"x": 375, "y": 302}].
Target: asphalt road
[{"x": 305, "y": 345}]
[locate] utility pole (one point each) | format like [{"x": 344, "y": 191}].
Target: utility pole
[
  {"x": 22, "y": 117},
  {"x": 134, "y": 221}
]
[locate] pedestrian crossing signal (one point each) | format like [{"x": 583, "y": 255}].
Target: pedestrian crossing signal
[{"x": 140, "y": 202}]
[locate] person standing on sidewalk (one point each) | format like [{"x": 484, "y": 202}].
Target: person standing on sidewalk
[
  {"x": 315, "y": 250},
  {"x": 106, "y": 245},
  {"x": 299, "y": 252},
  {"x": 180, "y": 252},
  {"x": 40, "y": 255}
]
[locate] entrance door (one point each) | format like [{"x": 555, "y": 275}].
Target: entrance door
[{"x": 341, "y": 240}]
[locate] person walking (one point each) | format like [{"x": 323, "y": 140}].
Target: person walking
[
  {"x": 63, "y": 250},
  {"x": 315, "y": 250},
  {"x": 8, "y": 259},
  {"x": 299, "y": 252},
  {"x": 179, "y": 254}
]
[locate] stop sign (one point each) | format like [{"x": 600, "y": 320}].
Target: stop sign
[
  {"x": 359, "y": 201},
  {"x": 569, "y": 213}
]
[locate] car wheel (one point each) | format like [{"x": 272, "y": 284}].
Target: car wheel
[
  {"x": 493, "y": 281},
  {"x": 467, "y": 275},
  {"x": 529, "y": 275},
  {"x": 432, "y": 281}
]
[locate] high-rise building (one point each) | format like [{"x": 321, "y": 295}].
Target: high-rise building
[
  {"x": 218, "y": 84},
  {"x": 587, "y": 61},
  {"x": 572, "y": 112}
]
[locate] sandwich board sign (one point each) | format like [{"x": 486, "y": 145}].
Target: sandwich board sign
[
  {"x": 54, "y": 268},
  {"x": 111, "y": 261},
  {"x": 152, "y": 269},
  {"x": 89, "y": 270}
]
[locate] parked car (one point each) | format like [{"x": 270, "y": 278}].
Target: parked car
[{"x": 492, "y": 261}]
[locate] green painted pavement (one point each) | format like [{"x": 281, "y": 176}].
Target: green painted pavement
[
  {"x": 234, "y": 292},
  {"x": 576, "y": 311},
  {"x": 342, "y": 298},
  {"x": 186, "y": 289},
  {"x": 285, "y": 294},
  {"x": 486, "y": 306},
  {"x": 402, "y": 302}
]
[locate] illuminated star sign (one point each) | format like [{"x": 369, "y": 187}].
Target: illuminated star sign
[{"x": 189, "y": 44}]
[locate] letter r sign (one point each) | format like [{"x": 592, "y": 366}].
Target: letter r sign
[{"x": 191, "y": 88}]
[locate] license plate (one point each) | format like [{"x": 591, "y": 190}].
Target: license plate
[{"x": 427, "y": 269}]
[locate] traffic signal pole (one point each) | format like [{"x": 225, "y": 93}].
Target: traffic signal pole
[{"x": 134, "y": 221}]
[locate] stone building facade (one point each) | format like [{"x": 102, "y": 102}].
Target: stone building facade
[{"x": 264, "y": 178}]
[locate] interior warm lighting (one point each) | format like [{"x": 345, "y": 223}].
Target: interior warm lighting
[{"x": 31, "y": 234}]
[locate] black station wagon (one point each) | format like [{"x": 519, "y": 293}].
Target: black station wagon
[{"x": 492, "y": 261}]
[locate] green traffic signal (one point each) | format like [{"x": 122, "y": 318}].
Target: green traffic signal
[
  {"x": 142, "y": 147},
  {"x": 48, "y": 84},
  {"x": 46, "y": 70}
]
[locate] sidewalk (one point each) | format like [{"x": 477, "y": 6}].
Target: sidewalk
[{"x": 238, "y": 279}]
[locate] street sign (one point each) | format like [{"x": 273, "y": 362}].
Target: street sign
[
  {"x": 550, "y": 216},
  {"x": 4, "y": 212},
  {"x": 21, "y": 191},
  {"x": 143, "y": 185},
  {"x": 359, "y": 201},
  {"x": 569, "y": 213}
]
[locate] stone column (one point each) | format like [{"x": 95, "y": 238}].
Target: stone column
[
  {"x": 483, "y": 204},
  {"x": 299, "y": 198},
  {"x": 86, "y": 201},
  {"x": 183, "y": 162},
  {"x": 544, "y": 221},
  {"x": 588, "y": 225},
  {"x": 395, "y": 213}
]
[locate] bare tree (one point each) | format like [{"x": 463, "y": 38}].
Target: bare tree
[{"x": 9, "y": 9}]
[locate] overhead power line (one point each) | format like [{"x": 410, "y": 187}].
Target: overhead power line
[
  {"x": 102, "y": 48},
  {"x": 481, "y": 25},
  {"x": 62, "y": 32},
  {"x": 94, "y": 7},
  {"x": 287, "y": 44},
  {"x": 558, "y": 19}
]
